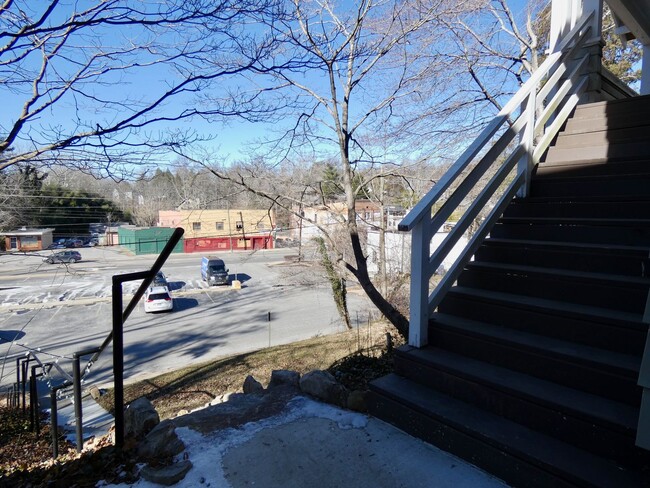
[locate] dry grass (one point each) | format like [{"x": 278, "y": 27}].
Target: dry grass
[{"x": 193, "y": 387}]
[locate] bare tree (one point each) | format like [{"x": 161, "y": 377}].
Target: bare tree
[
  {"x": 356, "y": 70},
  {"x": 499, "y": 49},
  {"x": 12, "y": 201},
  {"x": 72, "y": 80}
]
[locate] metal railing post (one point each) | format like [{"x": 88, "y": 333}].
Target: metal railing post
[
  {"x": 37, "y": 406},
  {"x": 54, "y": 423},
  {"x": 17, "y": 389},
  {"x": 118, "y": 363},
  {"x": 78, "y": 414},
  {"x": 33, "y": 401},
  {"x": 24, "y": 370}
]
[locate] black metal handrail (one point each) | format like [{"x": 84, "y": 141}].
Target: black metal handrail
[{"x": 119, "y": 316}]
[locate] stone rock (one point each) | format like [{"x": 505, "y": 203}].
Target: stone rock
[
  {"x": 140, "y": 417},
  {"x": 238, "y": 410},
  {"x": 357, "y": 401},
  {"x": 251, "y": 385},
  {"x": 222, "y": 415},
  {"x": 162, "y": 442},
  {"x": 95, "y": 393},
  {"x": 284, "y": 377},
  {"x": 323, "y": 385},
  {"x": 225, "y": 398},
  {"x": 166, "y": 475}
]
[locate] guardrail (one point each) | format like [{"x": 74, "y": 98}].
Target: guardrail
[{"x": 534, "y": 115}]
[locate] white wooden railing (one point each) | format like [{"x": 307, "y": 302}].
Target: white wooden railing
[{"x": 515, "y": 138}]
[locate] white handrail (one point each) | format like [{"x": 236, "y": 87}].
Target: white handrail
[
  {"x": 423, "y": 207},
  {"x": 527, "y": 126}
]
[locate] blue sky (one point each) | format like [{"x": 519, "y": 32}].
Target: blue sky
[{"x": 232, "y": 139}]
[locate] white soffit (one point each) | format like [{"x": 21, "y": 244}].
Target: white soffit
[{"x": 635, "y": 15}]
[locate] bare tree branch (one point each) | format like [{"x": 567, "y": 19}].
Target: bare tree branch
[{"x": 77, "y": 72}]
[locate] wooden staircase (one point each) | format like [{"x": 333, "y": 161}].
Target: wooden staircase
[{"x": 533, "y": 357}]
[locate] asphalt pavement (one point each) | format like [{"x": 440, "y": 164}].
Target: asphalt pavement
[{"x": 52, "y": 311}]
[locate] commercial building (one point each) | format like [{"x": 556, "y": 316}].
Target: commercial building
[
  {"x": 25, "y": 239},
  {"x": 222, "y": 229}
]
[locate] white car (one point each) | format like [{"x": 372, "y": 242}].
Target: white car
[{"x": 158, "y": 299}]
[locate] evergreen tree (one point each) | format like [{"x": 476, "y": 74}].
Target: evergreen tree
[{"x": 331, "y": 186}]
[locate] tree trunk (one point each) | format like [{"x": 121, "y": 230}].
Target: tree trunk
[{"x": 399, "y": 321}]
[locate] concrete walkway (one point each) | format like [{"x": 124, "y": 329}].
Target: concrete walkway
[{"x": 315, "y": 445}]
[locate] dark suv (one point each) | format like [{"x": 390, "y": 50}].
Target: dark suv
[
  {"x": 63, "y": 257},
  {"x": 160, "y": 280}
]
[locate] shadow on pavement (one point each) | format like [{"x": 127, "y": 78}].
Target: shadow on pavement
[
  {"x": 175, "y": 285},
  {"x": 181, "y": 304},
  {"x": 11, "y": 335},
  {"x": 239, "y": 276}
]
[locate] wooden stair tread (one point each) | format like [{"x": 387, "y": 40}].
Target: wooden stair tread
[
  {"x": 620, "y": 280},
  {"x": 581, "y": 246},
  {"x": 623, "y": 364},
  {"x": 582, "y": 404},
  {"x": 551, "y": 307},
  {"x": 567, "y": 462},
  {"x": 613, "y": 199}
]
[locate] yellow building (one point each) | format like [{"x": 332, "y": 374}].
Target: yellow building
[{"x": 219, "y": 229}]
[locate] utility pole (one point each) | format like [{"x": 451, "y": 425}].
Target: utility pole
[
  {"x": 109, "y": 234},
  {"x": 243, "y": 234},
  {"x": 300, "y": 233},
  {"x": 229, "y": 226},
  {"x": 301, "y": 215}
]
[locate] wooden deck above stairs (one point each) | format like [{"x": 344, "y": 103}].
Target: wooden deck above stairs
[{"x": 533, "y": 357}]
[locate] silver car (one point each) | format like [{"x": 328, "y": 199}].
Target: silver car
[{"x": 63, "y": 257}]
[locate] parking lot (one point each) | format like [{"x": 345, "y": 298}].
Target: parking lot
[{"x": 53, "y": 310}]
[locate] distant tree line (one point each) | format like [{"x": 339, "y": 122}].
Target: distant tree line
[{"x": 31, "y": 201}]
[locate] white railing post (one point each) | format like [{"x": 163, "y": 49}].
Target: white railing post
[
  {"x": 527, "y": 140},
  {"x": 645, "y": 71},
  {"x": 564, "y": 15},
  {"x": 596, "y": 23},
  {"x": 419, "y": 299},
  {"x": 419, "y": 220}
]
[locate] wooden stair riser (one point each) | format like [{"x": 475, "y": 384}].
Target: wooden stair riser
[
  {"x": 635, "y": 133},
  {"x": 572, "y": 209},
  {"x": 585, "y": 291},
  {"x": 533, "y": 362},
  {"x": 588, "y": 233},
  {"x": 594, "y": 123},
  {"x": 591, "y": 168},
  {"x": 577, "y": 259},
  {"x": 588, "y": 331},
  {"x": 602, "y": 187},
  {"x": 584, "y": 433},
  {"x": 630, "y": 108},
  {"x": 624, "y": 150}
]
